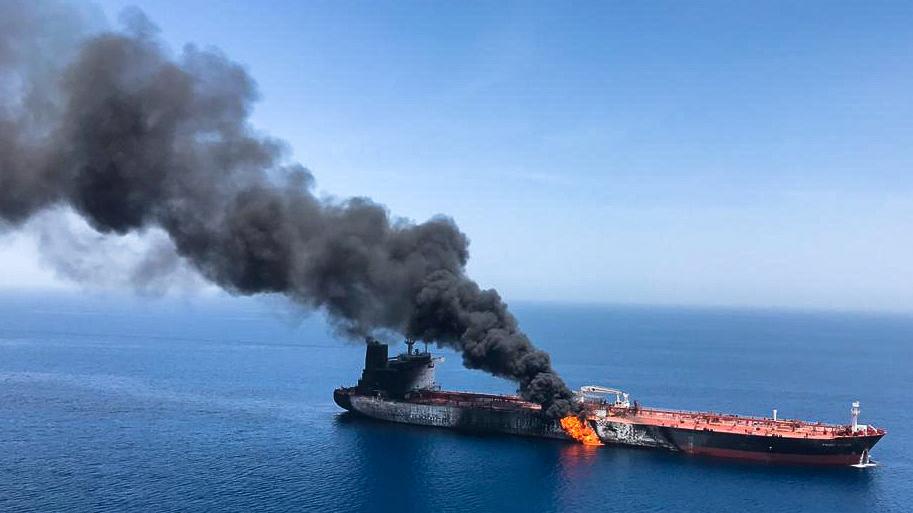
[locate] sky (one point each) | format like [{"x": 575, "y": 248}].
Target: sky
[{"x": 693, "y": 153}]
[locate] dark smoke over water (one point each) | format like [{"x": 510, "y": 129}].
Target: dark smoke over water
[{"x": 134, "y": 138}]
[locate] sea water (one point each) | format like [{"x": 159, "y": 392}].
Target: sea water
[{"x": 112, "y": 403}]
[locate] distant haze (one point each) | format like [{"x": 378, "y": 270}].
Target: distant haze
[{"x": 736, "y": 153}]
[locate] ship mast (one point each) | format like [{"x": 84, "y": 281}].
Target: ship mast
[{"x": 854, "y": 413}]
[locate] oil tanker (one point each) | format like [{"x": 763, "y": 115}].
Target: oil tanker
[{"x": 403, "y": 389}]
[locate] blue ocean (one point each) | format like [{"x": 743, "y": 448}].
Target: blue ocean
[{"x": 112, "y": 403}]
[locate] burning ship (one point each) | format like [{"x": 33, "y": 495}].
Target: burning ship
[{"x": 403, "y": 389}]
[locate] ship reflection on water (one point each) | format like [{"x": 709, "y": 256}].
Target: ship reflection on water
[{"x": 574, "y": 455}]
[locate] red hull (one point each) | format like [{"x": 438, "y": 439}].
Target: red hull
[{"x": 798, "y": 459}]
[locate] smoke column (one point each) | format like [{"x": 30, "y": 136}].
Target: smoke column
[{"x": 134, "y": 138}]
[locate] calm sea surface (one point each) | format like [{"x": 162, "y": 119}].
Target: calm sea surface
[{"x": 114, "y": 404}]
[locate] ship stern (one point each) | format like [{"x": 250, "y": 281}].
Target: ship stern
[{"x": 343, "y": 397}]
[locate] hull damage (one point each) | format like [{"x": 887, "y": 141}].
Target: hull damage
[{"x": 474, "y": 413}]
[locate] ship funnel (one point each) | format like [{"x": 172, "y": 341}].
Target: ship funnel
[{"x": 375, "y": 354}]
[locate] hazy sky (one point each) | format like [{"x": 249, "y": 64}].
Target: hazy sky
[{"x": 726, "y": 153}]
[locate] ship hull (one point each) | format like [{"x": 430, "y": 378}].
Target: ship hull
[
  {"x": 470, "y": 418},
  {"x": 771, "y": 449}
]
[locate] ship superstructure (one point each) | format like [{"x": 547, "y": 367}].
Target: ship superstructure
[{"x": 403, "y": 389}]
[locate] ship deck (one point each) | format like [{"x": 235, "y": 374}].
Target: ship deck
[
  {"x": 472, "y": 400},
  {"x": 735, "y": 424}
]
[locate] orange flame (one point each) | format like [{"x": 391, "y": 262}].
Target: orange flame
[{"x": 580, "y": 430}]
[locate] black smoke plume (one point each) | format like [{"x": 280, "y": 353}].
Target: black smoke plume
[{"x": 134, "y": 138}]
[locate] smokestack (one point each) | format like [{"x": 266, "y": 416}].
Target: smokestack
[
  {"x": 133, "y": 138},
  {"x": 375, "y": 354}
]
